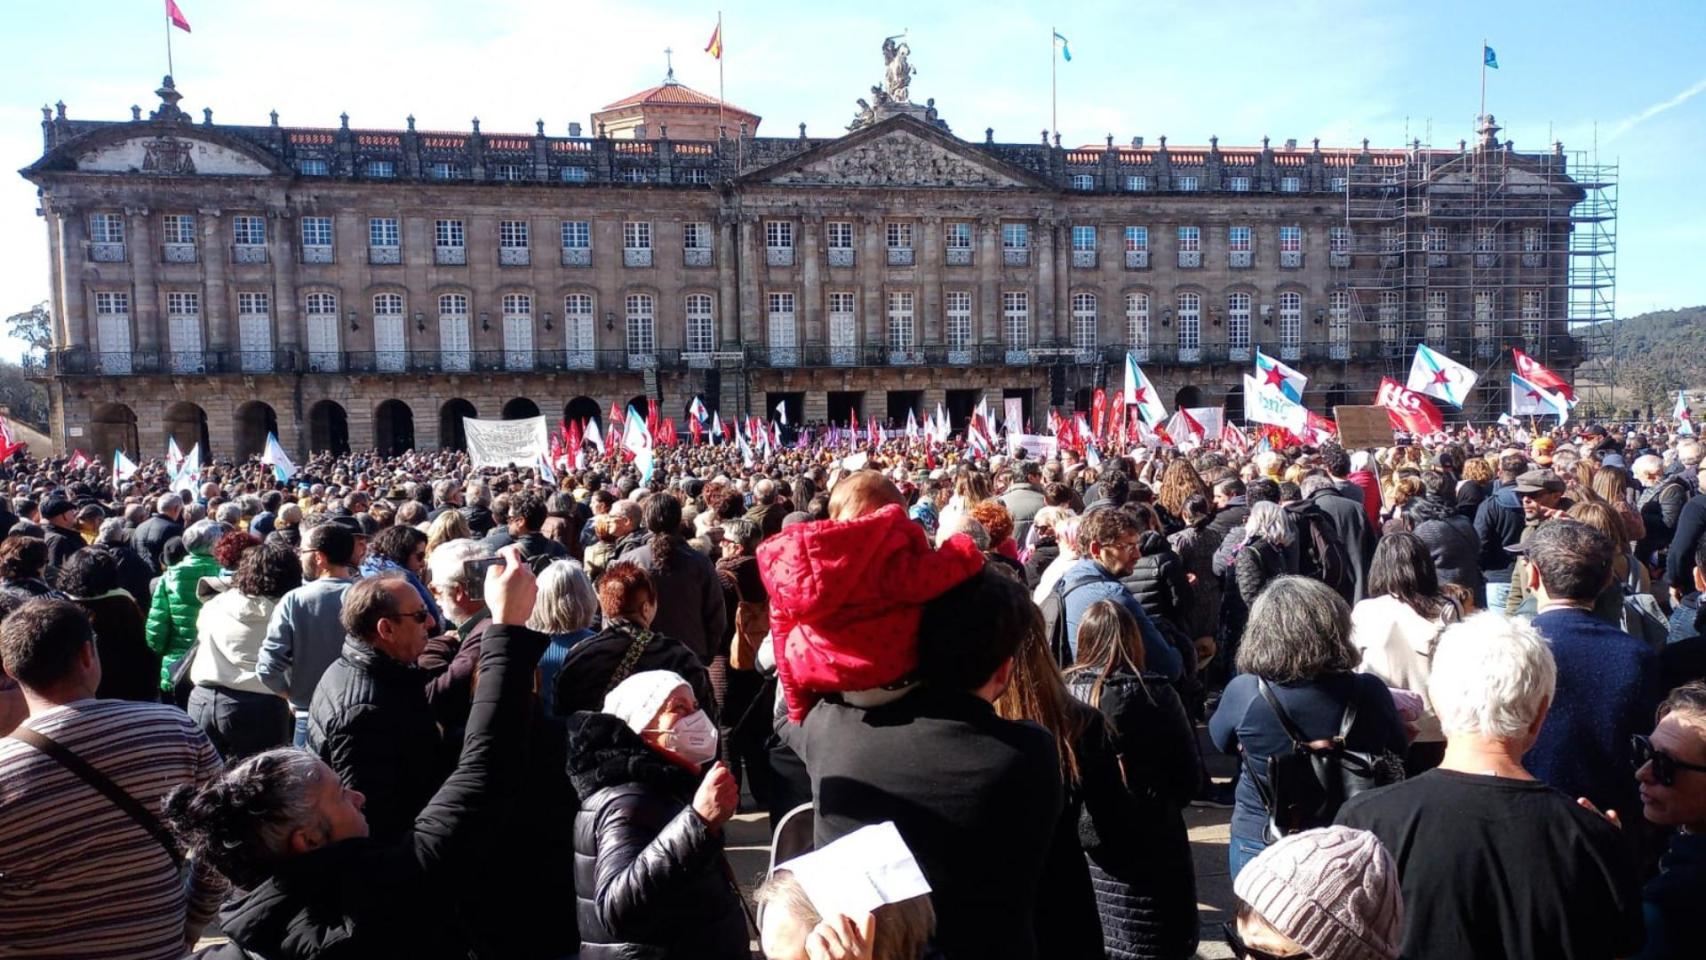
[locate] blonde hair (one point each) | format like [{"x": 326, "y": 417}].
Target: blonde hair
[{"x": 450, "y": 525}]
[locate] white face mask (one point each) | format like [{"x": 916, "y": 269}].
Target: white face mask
[{"x": 694, "y": 738}]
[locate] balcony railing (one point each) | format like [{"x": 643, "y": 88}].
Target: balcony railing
[
  {"x": 450, "y": 256},
  {"x": 1239, "y": 259},
  {"x": 178, "y": 252},
  {"x": 779, "y": 256},
  {"x": 1534, "y": 260},
  {"x": 514, "y": 256},
  {"x": 249, "y": 253},
  {"x": 1137, "y": 259},
  {"x": 317, "y": 253},
  {"x": 900, "y": 256},
  {"x": 1084, "y": 259},
  {"x": 636, "y": 256},
  {"x": 959, "y": 256},
  {"x": 384, "y": 256},
  {"x": 1190, "y": 259},
  {"x": 106, "y": 252},
  {"x": 577, "y": 256},
  {"x": 1016, "y": 256},
  {"x": 840, "y": 256},
  {"x": 693, "y": 257},
  {"x": 1291, "y": 259},
  {"x": 1338, "y": 258}
]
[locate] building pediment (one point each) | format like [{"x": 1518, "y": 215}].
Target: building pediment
[
  {"x": 901, "y": 152},
  {"x": 160, "y": 149}
]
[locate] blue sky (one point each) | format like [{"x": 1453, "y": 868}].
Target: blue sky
[{"x": 1634, "y": 75}]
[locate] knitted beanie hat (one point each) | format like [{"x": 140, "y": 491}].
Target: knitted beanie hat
[
  {"x": 637, "y": 700},
  {"x": 1334, "y": 891}
]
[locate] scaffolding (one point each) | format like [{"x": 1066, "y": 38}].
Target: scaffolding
[{"x": 1476, "y": 252}]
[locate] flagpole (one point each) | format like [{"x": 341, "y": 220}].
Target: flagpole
[
  {"x": 1483, "y": 113},
  {"x": 721, "y": 123},
  {"x": 169, "y": 70},
  {"x": 1053, "y": 88}
]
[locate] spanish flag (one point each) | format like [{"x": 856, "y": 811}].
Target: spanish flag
[{"x": 715, "y": 47}]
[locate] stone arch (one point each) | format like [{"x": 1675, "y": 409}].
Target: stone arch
[
  {"x": 1187, "y": 396},
  {"x": 1081, "y": 400},
  {"x": 1234, "y": 403},
  {"x": 328, "y": 428},
  {"x": 187, "y": 423},
  {"x": 583, "y": 408},
  {"x": 639, "y": 404},
  {"x": 451, "y": 434},
  {"x": 253, "y": 421},
  {"x": 520, "y": 409},
  {"x": 393, "y": 428},
  {"x": 113, "y": 427}
]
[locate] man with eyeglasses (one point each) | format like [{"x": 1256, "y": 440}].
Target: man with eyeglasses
[
  {"x": 1671, "y": 772},
  {"x": 1541, "y": 493},
  {"x": 1108, "y": 540},
  {"x": 370, "y": 721}
]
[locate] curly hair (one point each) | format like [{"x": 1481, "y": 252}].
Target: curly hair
[
  {"x": 1178, "y": 484},
  {"x": 997, "y": 520},
  {"x": 242, "y": 822},
  {"x": 230, "y": 548},
  {"x": 88, "y": 574},
  {"x": 624, "y": 590},
  {"x": 272, "y": 571},
  {"x": 22, "y": 557}
]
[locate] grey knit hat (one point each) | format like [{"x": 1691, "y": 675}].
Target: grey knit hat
[{"x": 1334, "y": 891}]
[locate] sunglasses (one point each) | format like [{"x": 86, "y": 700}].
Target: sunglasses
[
  {"x": 1244, "y": 951},
  {"x": 418, "y": 616},
  {"x": 1665, "y": 766}
]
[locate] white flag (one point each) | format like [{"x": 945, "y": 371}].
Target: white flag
[
  {"x": 174, "y": 456},
  {"x": 1437, "y": 375},
  {"x": 782, "y": 410},
  {"x": 1141, "y": 393},
  {"x": 275, "y": 456},
  {"x": 594, "y": 437},
  {"x": 123, "y": 468},
  {"x": 1271, "y": 406}
]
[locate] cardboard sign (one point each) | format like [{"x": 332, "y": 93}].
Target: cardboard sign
[{"x": 1362, "y": 428}]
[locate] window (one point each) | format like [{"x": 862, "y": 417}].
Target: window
[
  {"x": 1533, "y": 241},
  {"x": 1137, "y": 239},
  {"x": 180, "y": 228},
  {"x": 839, "y": 234},
  {"x": 1016, "y": 319},
  {"x": 510, "y": 171},
  {"x": 701, "y": 328},
  {"x": 1015, "y": 236},
  {"x": 1435, "y": 240},
  {"x": 518, "y": 305},
  {"x": 1185, "y": 184},
  {"x": 633, "y": 174},
  {"x": 382, "y": 169},
  {"x": 1486, "y": 240},
  {"x": 112, "y": 331},
  {"x": 1238, "y": 184},
  {"x": 249, "y": 231},
  {"x": 1437, "y": 305},
  {"x": 316, "y": 231},
  {"x": 1340, "y": 184},
  {"x": 784, "y": 349},
  {"x": 900, "y": 326},
  {"x": 1339, "y": 324},
  {"x": 1291, "y": 239},
  {"x": 1083, "y": 181},
  {"x": 1484, "y": 310},
  {"x": 1290, "y": 184},
  {"x": 1136, "y": 183},
  {"x": 452, "y": 303},
  {"x": 322, "y": 303},
  {"x": 958, "y": 235},
  {"x": 1237, "y": 239},
  {"x": 1190, "y": 239},
  {"x": 577, "y": 235},
  {"x": 1190, "y": 326},
  {"x": 957, "y": 309},
  {"x": 449, "y": 233},
  {"x": 259, "y": 304},
  {"x": 637, "y": 235},
  {"x": 183, "y": 332},
  {"x": 779, "y": 234},
  {"x": 254, "y": 331},
  {"x": 1339, "y": 239},
  {"x": 383, "y": 232},
  {"x": 322, "y": 317},
  {"x": 1533, "y": 307},
  {"x": 111, "y": 304},
  {"x": 518, "y": 331},
  {"x": 573, "y": 174},
  {"x": 1391, "y": 241},
  {"x": 512, "y": 234},
  {"x": 106, "y": 228},
  {"x": 899, "y": 235},
  {"x": 694, "y": 236},
  {"x": 1084, "y": 239},
  {"x": 389, "y": 339},
  {"x": 310, "y": 167},
  {"x": 697, "y": 175},
  {"x": 1391, "y": 306},
  {"x": 579, "y": 338},
  {"x": 641, "y": 337},
  {"x": 843, "y": 328},
  {"x": 1290, "y": 323},
  {"x": 388, "y": 305},
  {"x": 1137, "y": 324},
  {"x": 184, "y": 304},
  {"x": 1238, "y": 324},
  {"x": 444, "y": 170},
  {"x": 1085, "y": 333}
]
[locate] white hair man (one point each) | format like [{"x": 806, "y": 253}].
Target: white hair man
[
  {"x": 166, "y": 523},
  {"x": 451, "y": 659},
  {"x": 1468, "y": 834}
]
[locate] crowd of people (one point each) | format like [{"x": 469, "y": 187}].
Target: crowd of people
[{"x": 399, "y": 706}]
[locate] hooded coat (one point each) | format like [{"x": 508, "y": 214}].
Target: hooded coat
[
  {"x": 846, "y": 596},
  {"x": 172, "y": 615}
]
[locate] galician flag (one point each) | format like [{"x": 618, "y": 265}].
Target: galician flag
[
  {"x": 697, "y": 409},
  {"x": 188, "y": 476},
  {"x": 1682, "y": 413},
  {"x": 1274, "y": 374},
  {"x": 275, "y": 457},
  {"x": 716, "y": 426},
  {"x": 782, "y": 410},
  {"x": 174, "y": 456},
  {"x": 1262, "y": 405},
  {"x": 1139, "y": 392},
  {"x": 1059, "y": 41},
  {"x": 1437, "y": 375},
  {"x": 1531, "y": 399},
  {"x": 123, "y": 468},
  {"x": 638, "y": 440}
]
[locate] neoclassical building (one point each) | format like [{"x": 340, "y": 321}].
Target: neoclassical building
[{"x": 354, "y": 288}]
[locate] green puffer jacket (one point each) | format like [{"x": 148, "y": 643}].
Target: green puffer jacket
[{"x": 172, "y": 615}]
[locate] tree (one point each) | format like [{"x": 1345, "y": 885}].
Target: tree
[
  {"x": 34, "y": 327},
  {"x": 26, "y": 400}
]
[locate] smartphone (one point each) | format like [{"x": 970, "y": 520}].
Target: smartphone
[{"x": 476, "y": 568}]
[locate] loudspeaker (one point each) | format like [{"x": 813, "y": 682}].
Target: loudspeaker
[
  {"x": 1056, "y": 386},
  {"x": 713, "y": 387}
]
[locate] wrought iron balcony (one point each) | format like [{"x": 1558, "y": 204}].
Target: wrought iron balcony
[
  {"x": 1016, "y": 256},
  {"x": 900, "y": 256},
  {"x": 1338, "y": 258},
  {"x": 450, "y": 256},
  {"x": 1291, "y": 259},
  {"x": 1190, "y": 259},
  {"x": 178, "y": 252},
  {"x": 779, "y": 256},
  {"x": 1137, "y": 259},
  {"x": 959, "y": 256},
  {"x": 1239, "y": 259},
  {"x": 514, "y": 256},
  {"x": 317, "y": 253},
  {"x": 840, "y": 256},
  {"x": 636, "y": 256},
  {"x": 100, "y": 252},
  {"x": 691, "y": 256},
  {"x": 249, "y": 253},
  {"x": 1084, "y": 259},
  {"x": 577, "y": 256},
  {"x": 381, "y": 256}
]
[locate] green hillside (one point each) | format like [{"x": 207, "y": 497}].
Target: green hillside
[{"x": 1647, "y": 357}]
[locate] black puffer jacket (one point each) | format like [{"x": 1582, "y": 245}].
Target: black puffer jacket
[
  {"x": 1043, "y": 554},
  {"x": 1259, "y": 562},
  {"x": 1144, "y": 879},
  {"x": 1158, "y": 580},
  {"x": 1451, "y": 541},
  {"x": 650, "y": 878},
  {"x": 588, "y": 669}
]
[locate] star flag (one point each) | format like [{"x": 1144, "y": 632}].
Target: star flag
[
  {"x": 1142, "y": 394},
  {"x": 123, "y": 467},
  {"x": 638, "y": 439},
  {"x": 1272, "y": 373},
  {"x": 276, "y": 458},
  {"x": 177, "y": 16},
  {"x": 1532, "y": 399},
  {"x": 1437, "y": 375},
  {"x": 1408, "y": 410},
  {"x": 717, "y": 433},
  {"x": 697, "y": 408},
  {"x": 174, "y": 456},
  {"x": 1684, "y": 414},
  {"x": 1262, "y": 405},
  {"x": 78, "y": 460},
  {"x": 1534, "y": 372}
]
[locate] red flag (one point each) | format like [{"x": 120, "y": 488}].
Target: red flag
[
  {"x": 697, "y": 429},
  {"x": 729, "y": 430},
  {"x": 617, "y": 418},
  {"x": 177, "y": 16},
  {"x": 1534, "y": 372},
  {"x": 1407, "y": 409},
  {"x": 1233, "y": 438},
  {"x": 1098, "y": 411},
  {"x": 652, "y": 416},
  {"x": 853, "y": 420},
  {"x": 666, "y": 429}
]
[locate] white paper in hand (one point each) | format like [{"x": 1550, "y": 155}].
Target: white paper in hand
[
  {"x": 860, "y": 872},
  {"x": 856, "y": 461}
]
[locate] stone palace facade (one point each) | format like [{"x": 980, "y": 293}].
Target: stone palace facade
[{"x": 356, "y": 288}]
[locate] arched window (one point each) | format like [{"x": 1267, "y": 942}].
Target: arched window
[
  {"x": 579, "y": 335},
  {"x": 1084, "y": 323},
  {"x": 1238, "y": 326},
  {"x": 1137, "y": 325},
  {"x": 518, "y": 331},
  {"x": 321, "y": 310},
  {"x": 641, "y": 330},
  {"x": 390, "y": 343},
  {"x": 784, "y": 341},
  {"x": 453, "y": 331},
  {"x": 1291, "y": 325},
  {"x": 1190, "y": 326},
  {"x": 1339, "y": 324}
]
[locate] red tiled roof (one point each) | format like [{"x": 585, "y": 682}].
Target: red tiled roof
[{"x": 673, "y": 93}]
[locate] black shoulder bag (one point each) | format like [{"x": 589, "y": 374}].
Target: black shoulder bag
[
  {"x": 1306, "y": 785},
  {"x": 102, "y": 784}
]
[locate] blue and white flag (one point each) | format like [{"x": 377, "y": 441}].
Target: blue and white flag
[
  {"x": 187, "y": 478},
  {"x": 1488, "y": 57},
  {"x": 1060, "y": 42},
  {"x": 1683, "y": 414},
  {"x": 1140, "y": 392},
  {"x": 1272, "y": 373},
  {"x": 123, "y": 468},
  {"x": 275, "y": 457},
  {"x": 1531, "y": 399},
  {"x": 697, "y": 409},
  {"x": 1437, "y": 375}
]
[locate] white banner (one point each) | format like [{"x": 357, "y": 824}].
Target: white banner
[
  {"x": 1031, "y": 445},
  {"x": 499, "y": 443}
]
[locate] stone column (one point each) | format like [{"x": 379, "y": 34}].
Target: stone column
[
  {"x": 929, "y": 295},
  {"x": 1063, "y": 284},
  {"x": 751, "y": 296},
  {"x": 77, "y": 330},
  {"x": 989, "y": 282},
  {"x": 873, "y": 266},
  {"x": 146, "y": 309},
  {"x": 1043, "y": 319},
  {"x": 812, "y": 333},
  {"x": 730, "y": 309},
  {"x": 214, "y": 253},
  {"x": 281, "y": 250}
]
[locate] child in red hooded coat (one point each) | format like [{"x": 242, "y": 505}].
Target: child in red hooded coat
[{"x": 846, "y": 593}]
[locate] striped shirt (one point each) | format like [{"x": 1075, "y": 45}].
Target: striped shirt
[{"x": 78, "y": 877}]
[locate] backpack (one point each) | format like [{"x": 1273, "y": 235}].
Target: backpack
[
  {"x": 1306, "y": 786},
  {"x": 1055, "y": 624},
  {"x": 1322, "y": 555}
]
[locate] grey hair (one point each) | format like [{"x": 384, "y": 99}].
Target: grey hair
[
  {"x": 194, "y": 513},
  {"x": 969, "y": 526},
  {"x": 744, "y": 532},
  {"x": 231, "y": 513},
  {"x": 1315, "y": 483},
  {"x": 136, "y": 514},
  {"x": 242, "y": 821},
  {"x": 288, "y": 514},
  {"x": 566, "y": 600},
  {"x": 628, "y": 510},
  {"x": 203, "y": 534},
  {"x": 446, "y": 563},
  {"x": 1688, "y": 451},
  {"x": 1647, "y": 465},
  {"x": 113, "y": 530},
  {"x": 1491, "y": 675},
  {"x": 1270, "y": 522},
  {"x": 1299, "y": 629},
  {"x": 168, "y": 502}
]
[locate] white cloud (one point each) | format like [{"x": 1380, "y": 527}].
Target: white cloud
[{"x": 1628, "y": 123}]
